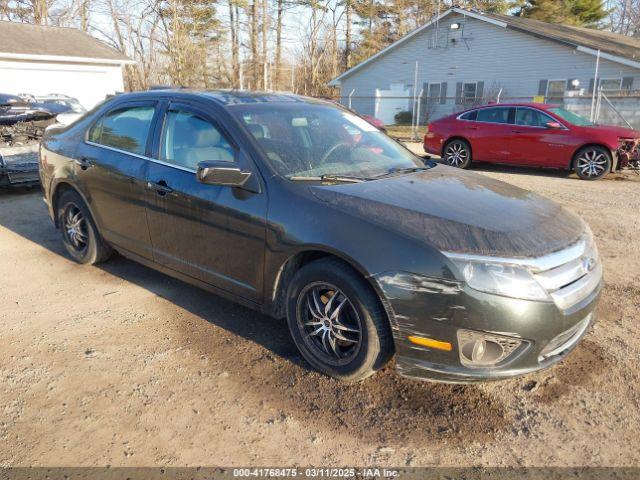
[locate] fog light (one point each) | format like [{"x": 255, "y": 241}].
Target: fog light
[{"x": 477, "y": 349}]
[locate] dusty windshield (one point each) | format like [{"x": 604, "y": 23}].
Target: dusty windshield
[{"x": 304, "y": 141}]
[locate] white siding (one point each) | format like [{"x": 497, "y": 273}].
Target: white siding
[
  {"x": 88, "y": 83},
  {"x": 499, "y": 57}
]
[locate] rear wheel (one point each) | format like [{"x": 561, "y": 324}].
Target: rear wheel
[
  {"x": 592, "y": 163},
  {"x": 79, "y": 233},
  {"x": 337, "y": 322},
  {"x": 457, "y": 153}
]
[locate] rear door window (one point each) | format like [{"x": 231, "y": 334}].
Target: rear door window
[
  {"x": 125, "y": 128},
  {"x": 495, "y": 115}
]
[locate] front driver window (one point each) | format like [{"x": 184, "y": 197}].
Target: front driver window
[
  {"x": 189, "y": 139},
  {"x": 532, "y": 118}
]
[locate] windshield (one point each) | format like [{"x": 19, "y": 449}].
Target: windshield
[
  {"x": 305, "y": 141},
  {"x": 571, "y": 117}
]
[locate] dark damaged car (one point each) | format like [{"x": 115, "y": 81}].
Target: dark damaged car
[{"x": 300, "y": 209}]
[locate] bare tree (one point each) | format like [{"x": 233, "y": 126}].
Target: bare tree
[
  {"x": 625, "y": 17},
  {"x": 278, "y": 62},
  {"x": 265, "y": 40},
  {"x": 235, "y": 44}
]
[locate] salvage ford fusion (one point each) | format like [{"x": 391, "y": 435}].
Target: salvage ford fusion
[{"x": 300, "y": 209}]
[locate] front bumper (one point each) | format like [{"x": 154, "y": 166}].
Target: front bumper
[
  {"x": 437, "y": 309},
  {"x": 19, "y": 170}
]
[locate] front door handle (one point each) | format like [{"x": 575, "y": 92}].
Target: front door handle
[
  {"x": 472, "y": 127},
  {"x": 84, "y": 163},
  {"x": 161, "y": 187}
]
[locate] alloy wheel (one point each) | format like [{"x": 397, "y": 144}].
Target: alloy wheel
[
  {"x": 329, "y": 323},
  {"x": 592, "y": 163},
  {"x": 456, "y": 154},
  {"x": 75, "y": 227}
]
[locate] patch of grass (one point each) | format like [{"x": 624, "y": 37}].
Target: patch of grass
[{"x": 404, "y": 132}]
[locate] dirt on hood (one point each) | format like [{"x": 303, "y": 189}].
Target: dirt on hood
[{"x": 460, "y": 211}]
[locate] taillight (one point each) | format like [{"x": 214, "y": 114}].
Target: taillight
[{"x": 429, "y": 133}]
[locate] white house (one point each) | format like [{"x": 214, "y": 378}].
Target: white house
[
  {"x": 465, "y": 57},
  {"x": 43, "y": 60}
]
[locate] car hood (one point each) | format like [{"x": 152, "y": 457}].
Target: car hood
[
  {"x": 618, "y": 131},
  {"x": 460, "y": 211}
]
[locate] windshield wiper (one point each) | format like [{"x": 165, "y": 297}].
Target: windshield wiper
[
  {"x": 329, "y": 178},
  {"x": 394, "y": 171}
]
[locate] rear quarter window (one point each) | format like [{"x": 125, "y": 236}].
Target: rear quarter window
[{"x": 472, "y": 115}]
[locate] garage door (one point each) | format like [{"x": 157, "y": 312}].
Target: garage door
[{"x": 89, "y": 84}]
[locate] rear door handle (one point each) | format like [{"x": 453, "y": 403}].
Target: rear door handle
[
  {"x": 161, "y": 187},
  {"x": 472, "y": 127},
  {"x": 83, "y": 163}
]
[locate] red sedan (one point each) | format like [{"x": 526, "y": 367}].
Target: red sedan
[{"x": 532, "y": 134}]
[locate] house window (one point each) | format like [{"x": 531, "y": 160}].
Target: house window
[
  {"x": 611, "y": 84},
  {"x": 469, "y": 93},
  {"x": 434, "y": 92},
  {"x": 556, "y": 88}
]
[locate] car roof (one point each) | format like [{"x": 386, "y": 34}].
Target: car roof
[
  {"x": 225, "y": 97},
  {"x": 541, "y": 106}
]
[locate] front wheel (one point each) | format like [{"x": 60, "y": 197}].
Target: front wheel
[
  {"x": 337, "y": 322},
  {"x": 457, "y": 153},
  {"x": 592, "y": 163}
]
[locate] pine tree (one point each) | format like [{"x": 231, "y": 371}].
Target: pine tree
[
  {"x": 582, "y": 13},
  {"x": 489, "y": 6}
]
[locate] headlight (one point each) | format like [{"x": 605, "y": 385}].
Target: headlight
[{"x": 509, "y": 280}]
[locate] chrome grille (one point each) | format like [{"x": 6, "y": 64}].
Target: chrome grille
[{"x": 573, "y": 276}]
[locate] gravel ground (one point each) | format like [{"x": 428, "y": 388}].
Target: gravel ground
[{"x": 121, "y": 365}]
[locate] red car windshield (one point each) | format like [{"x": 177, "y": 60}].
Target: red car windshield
[{"x": 571, "y": 117}]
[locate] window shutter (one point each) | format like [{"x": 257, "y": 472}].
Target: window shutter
[
  {"x": 443, "y": 93},
  {"x": 480, "y": 92},
  {"x": 592, "y": 82},
  {"x": 627, "y": 83},
  {"x": 542, "y": 87},
  {"x": 459, "y": 93}
]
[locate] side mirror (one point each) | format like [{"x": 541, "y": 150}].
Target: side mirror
[
  {"x": 554, "y": 125},
  {"x": 221, "y": 173}
]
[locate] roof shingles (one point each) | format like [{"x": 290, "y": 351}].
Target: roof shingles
[
  {"x": 25, "y": 39},
  {"x": 613, "y": 43}
]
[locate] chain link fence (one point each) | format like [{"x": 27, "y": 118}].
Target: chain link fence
[{"x": 408, "y": 116}]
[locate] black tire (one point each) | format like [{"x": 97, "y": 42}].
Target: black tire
[
  {"x": 79, "y": 233},
  {"x": 592, "y": 162},
  {"x": 350, "y": 356},
  {"x": 457, "y": 153}
]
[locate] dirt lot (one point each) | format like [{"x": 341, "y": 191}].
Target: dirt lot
[{"x": 121, "y": 365}]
